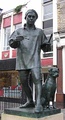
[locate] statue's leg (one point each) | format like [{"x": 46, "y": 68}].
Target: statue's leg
[
  {"x": 53, "y": 100},
  {"x": 38, "y": 107},
  {"x": 37, "y": 79},
  {"x": 24, "y": 76}
]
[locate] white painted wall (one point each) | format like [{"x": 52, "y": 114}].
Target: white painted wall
[
  {"x": 1, "y": 40},
  {"x": 12, "y": 29},
  {"x": 54, "y": 30}
]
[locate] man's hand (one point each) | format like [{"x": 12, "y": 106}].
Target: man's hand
[{"x": 19, "y": 38}]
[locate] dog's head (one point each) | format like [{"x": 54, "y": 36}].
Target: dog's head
[{"x": 54, "y": 71}]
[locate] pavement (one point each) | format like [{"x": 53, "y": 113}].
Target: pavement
[{"x": 63, "y": 111}]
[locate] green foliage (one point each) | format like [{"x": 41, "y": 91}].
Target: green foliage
[{"x": 18, "y": 8}]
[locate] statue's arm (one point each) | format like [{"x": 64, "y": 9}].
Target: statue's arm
[
  {"x": 45, "y": 46},
  {"x": 13, "y": 43},
  {"x": 15, "y": 38}
]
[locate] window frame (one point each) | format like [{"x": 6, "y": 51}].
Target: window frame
[
  {"x": 19, "y": 25},
  {"x": 51, "y": 14},
  {"x": 7, "y": 32},
  {"x": 48, "y": 27}
]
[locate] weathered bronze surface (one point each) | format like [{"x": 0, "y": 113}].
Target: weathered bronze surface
[
  {"x": 29, "y": 41},
  {"x": 30, "y": 112},
  {"x": 49, "y": 88}
]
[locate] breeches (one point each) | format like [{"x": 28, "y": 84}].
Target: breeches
[{"x": 34, "y": 73}]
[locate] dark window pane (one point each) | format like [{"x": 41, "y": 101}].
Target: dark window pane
[{"x": 48, "y": 23}]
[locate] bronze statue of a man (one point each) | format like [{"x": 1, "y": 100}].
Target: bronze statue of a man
[{"x": 29, "y": 41}]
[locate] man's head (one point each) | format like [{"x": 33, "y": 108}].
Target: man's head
[
  {"x": 31, "y": 11},
  {"x": 31, "y": 16}
]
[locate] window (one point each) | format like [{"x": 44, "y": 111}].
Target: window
[
  {"x": 6, "y": 38},
  {"x": 18, "y": 26},
  {"x": 48, "y": 30},
  {"x": 48, "y": 10},
  {"x": 48, "y": 23}
]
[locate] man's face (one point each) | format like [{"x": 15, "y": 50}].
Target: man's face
[{"x": 31, "y": 18}]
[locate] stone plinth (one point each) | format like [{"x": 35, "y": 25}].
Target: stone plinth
[{"x": 29, "y": 114}]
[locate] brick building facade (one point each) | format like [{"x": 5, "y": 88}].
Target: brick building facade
[{"x": 59, "y": 36}]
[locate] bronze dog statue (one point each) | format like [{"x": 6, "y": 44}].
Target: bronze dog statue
[{"x": 49, "y": 88}]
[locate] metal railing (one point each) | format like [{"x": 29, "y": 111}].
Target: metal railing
[
  {"x": 11, "y": 97},
  {"x": 12, "y": 92}
]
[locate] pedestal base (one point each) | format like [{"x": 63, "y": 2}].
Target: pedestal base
[
  {"x": 29, "y": 114},
  {"x": 14, "y": 117}
]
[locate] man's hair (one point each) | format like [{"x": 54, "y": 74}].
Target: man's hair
[{"x": 31, "y": 10}]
